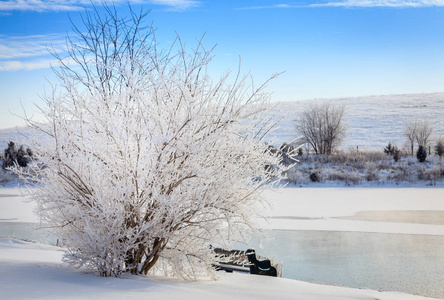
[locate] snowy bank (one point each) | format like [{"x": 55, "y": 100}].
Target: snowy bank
[
  {"x": 35, "y": 271},
  {"x": 324, "y": 209},
  {"x": 15, "y": 208}
]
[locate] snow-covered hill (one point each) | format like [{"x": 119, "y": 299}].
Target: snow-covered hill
[{"x": 372, "y": 121}]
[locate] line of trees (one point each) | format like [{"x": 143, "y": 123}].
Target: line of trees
[
  {"x": 322, "y": 127},
  {"x": 418, "y": 132}
]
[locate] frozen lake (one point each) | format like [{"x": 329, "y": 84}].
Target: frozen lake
[
  {"x": 389, "y": 239},
  {"x": 386, "y": 262}
]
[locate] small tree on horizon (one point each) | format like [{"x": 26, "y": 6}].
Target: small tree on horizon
[
  {"x": 389, "y": 149},
  {"x": 410, "y": 129},
  {"x": 322, "y": 127},
  {"x": 423, "y": 133},
  {"x": 439, "y": 147},
  {"x": 147, "y": 159}
]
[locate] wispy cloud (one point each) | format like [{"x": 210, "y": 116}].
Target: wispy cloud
[
  {"x": 381, "y": 3},
  {"x": 13, "y": 47},
  {"x": 75, "y": 5},
  {"x": 174, "y": 4},
  {"x": 355, "y": 3},
  {"x": 16, "y": 65},
  {"x": 29, "y": 52},
  {"x": 271, "y": 6}
]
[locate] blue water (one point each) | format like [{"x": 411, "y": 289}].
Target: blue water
[{"x": 411, "y": 264}]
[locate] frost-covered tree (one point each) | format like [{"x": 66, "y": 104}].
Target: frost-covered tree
[
  {"x": 410, "y": 129},
  {"x": 322, "y": 126},
  {"x": 423, "y": 133},
  {"x": 147, "y": 159}
]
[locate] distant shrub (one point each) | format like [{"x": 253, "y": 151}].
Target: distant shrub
[
  {"x": 300, "y": 151},
  {"x": 296, "y": 176},
  {"x": 314, "y": 177},
  {"x": 439, "y": 147},
  {"x": 287, "y": 153},
  {"x": 273, "y": 150},
  {"x": 421, "y": 154},
  {"x": 396, "y": 154},
  {"x": 372, "y": 176},
  {"x": 13, "y": 155},
  {"x": 389, "y": 149}
]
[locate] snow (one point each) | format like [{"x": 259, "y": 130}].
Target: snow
[
  {"x": 318, "y": 208},
  {"x": 39, "y": 268},
  {"x": 15, "y": 208},
  {"x": 34, "y": 271},
  {"x": 372, "y": 121}
]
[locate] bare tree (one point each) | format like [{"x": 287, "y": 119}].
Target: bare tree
[
  {"x": 146, "y": 159},
  {"x": 323, "y": 127},
  {"x": 410, "y": 129},
  {"x": 439, "y": 146},
  {"x": 423, "y": 133}
]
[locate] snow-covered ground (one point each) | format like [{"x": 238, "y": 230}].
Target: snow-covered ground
[
  {"x": 319, "y": 208},
  {"x": 372, "y": 121},
  {"x": 35, "y": 271}
]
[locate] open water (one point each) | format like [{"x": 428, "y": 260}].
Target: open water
[{"x": 412, "y": 264}]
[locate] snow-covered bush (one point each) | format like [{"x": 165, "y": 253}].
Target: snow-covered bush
[
  {"x": 352, "y": 167},
  {"x": 288, "y": 152},
  {"x": 147, "y": 159}
]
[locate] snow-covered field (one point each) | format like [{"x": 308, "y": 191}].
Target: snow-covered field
[
  {"x": 372, "y": 121},
  {"x": 35, "y": 271}
]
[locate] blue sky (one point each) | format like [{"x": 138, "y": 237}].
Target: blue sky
[{"x": 327, "y": 48}]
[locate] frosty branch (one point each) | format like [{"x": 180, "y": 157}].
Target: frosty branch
[{"x": 147, "y": 159}]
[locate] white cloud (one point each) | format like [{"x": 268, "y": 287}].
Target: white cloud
[
  {"x": 357, "y": 3},
  {"x": 272, "y": 6},
  {"x": 174, "y": 4},
  {"x": 73, "y": 5},
  {"x": 12, "y": 47},
  {"x": 29, "y": 52},
  {"x": 381, "y": 3},
  {"x": 16, "y": 65}
]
